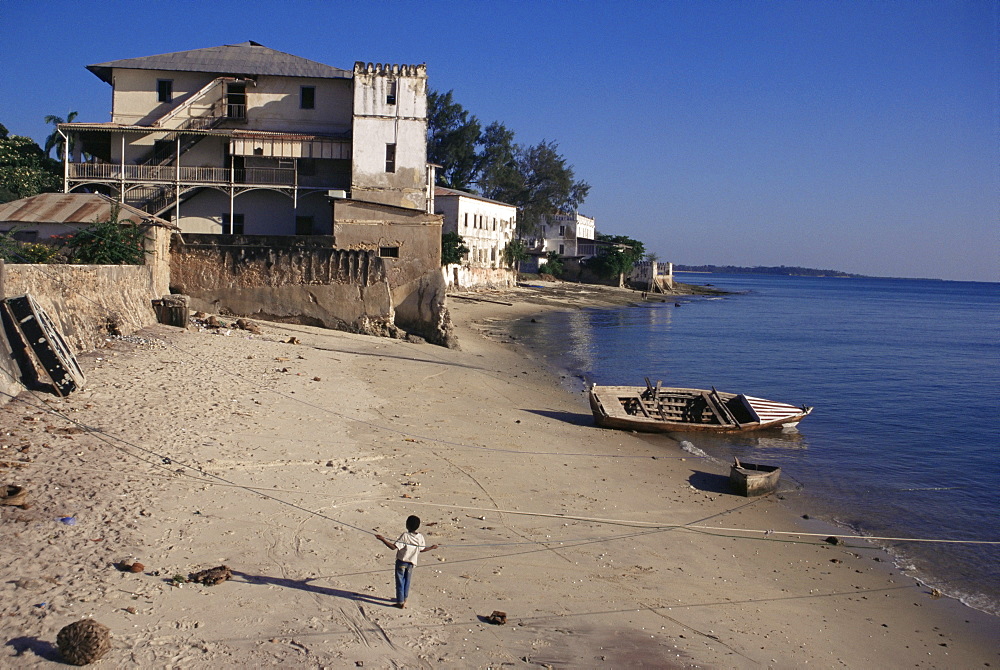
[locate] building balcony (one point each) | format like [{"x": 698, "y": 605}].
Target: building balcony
[{"x": 168, "y": 174}]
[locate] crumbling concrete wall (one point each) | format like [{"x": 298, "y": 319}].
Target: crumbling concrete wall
[
  {"x": 379, "y": 272},
  {"x": 294, "y": 280},
  {"x": 87, "y": 302}
]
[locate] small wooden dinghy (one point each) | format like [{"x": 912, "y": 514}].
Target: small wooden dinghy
[
  {"x": 753, "y": 479},
  {"x": 656, "y": 409}
]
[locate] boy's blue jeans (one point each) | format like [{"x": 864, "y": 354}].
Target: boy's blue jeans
[{"x": 404, "y": 571}]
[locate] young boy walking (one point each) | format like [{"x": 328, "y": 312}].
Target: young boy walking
[{"x": 408, "y": 548}]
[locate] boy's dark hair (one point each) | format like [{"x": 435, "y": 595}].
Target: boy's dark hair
[{"x": 412, "y": 523}]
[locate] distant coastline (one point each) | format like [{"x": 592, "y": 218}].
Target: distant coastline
[{"x": 783, "y": 270}]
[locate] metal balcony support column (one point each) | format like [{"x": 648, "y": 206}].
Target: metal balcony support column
[
  {"x": 232, "y": 188},
  {"x": 65, "y": 161},
  {"x": 177, "y": 183},
  {"x": 121, "y": 177}
]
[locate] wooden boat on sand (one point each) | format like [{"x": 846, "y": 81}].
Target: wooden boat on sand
[
  {"x": 753, "y": 479},
  {"x": 657, "y": 409}
]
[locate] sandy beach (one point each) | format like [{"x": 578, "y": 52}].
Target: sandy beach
[{"x": 281, "y": 454}]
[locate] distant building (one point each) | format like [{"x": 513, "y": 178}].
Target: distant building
[
  {"x": 652, "y": 276},
  {"x": 571, "y": 235},
  {"x": 486, "y": 227}
]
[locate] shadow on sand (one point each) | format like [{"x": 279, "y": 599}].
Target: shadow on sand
[
  {"x": 706, "y": 481},
  {"x": 304, "y": 585},
  {"x": 39, "y": 648},
  {"x": 565, "y": 417}
]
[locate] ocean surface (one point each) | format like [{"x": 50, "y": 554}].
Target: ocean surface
[{"x": 904, "y": 375}]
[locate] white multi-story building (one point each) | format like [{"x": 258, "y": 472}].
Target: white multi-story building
[
  {"x": 567, "y": 233},
  {"x": 486, "y": 227},
  {"x": 243, "y": 139}
]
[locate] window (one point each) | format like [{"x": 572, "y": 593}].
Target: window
[
  {"x": 307, "y": 97},
  {"x": 236, "y": 100},
  {"x": 562, "y": 231},
  {"x": 390, "y": 93},
  {"x": 562, "y": 249},
  {"x": 164, "y": 90},
  {"x": 466, "y": 219},
  {"x": 388, "y": 252},
  {"x": 390, "y": 158},
  {"x": 237, "y": 224},
  {"x": 303, "y": 225}
]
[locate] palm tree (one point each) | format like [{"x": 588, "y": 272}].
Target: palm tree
[{"x": 55, "y": 140}]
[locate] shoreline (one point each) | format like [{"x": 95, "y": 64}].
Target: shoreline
[
  {"x": 285, "y": 459},
  {"x": 798, "y": 507},
  {"x": 807, "y": 502}
]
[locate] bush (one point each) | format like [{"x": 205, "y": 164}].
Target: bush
[{"x": 108, "y": 242}]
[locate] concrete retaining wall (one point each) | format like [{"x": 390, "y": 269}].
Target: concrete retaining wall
[
  {"x": 306, "y": 280},
  {"x": 87, "y": 302},
  {"x": 284, "y": 279}
]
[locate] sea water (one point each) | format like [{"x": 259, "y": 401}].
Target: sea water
[{"x": 904, "y": 375}]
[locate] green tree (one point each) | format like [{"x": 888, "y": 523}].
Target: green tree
[
  {"x": 553, "y": 264},
  {"x": 550, "y": 186},
  {"x": 537, "y": 179},
  {"x": 452, "y": 138},
  {"x": 453, "y": 248},
  {"x": 513, "y": 254},
  {"x": 109, "y": 242},
  {"x": 616, "y": 258},
  {"x": 500, "y": 176},
  {"x": 24, "y": 168},
  {"x": 55, "y": 140}
]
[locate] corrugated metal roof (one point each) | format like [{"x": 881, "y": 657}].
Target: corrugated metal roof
[
  {"x": 72, "y": 208},
  {"x": 248, "y": 58},
  {"x": 221, "y": 132}
]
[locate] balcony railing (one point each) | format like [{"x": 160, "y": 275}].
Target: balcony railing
[{"x": 167, "y": 174}]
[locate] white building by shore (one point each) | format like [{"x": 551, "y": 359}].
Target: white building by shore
[{"x": 486, "y": 227}]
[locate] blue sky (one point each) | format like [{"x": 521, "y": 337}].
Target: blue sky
[{"x": 858, "y": 136}]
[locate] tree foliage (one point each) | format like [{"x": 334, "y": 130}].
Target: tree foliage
[
  {"x": 553, "y": 264},
  {"x": 24, "y": 169},
  {"x": 500, "y": 175},
  {"x": 513, "y": 254},
  {"x": 55, "y": 140},
  {"x": 550, "y": 186},
  {"x": 452, "y": 137},
  {"x": 617, "y": 257},
  {"x": 535, "y": 179},
  {"x": 453, "y": 248},
  {"x": 109, "y": 242}
]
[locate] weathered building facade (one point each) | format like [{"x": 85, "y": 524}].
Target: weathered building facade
[
  {"x": 570, "y": 235},
  {"x": 246, "y": 141},
  {"x": 486, "y": 227}
]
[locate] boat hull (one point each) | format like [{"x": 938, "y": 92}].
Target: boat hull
[
  {"x": 750, "y": 479},
  {"x": 673, "y": 410}
]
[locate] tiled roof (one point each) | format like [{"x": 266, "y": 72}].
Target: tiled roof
[{"x": 247, "y": 58}]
